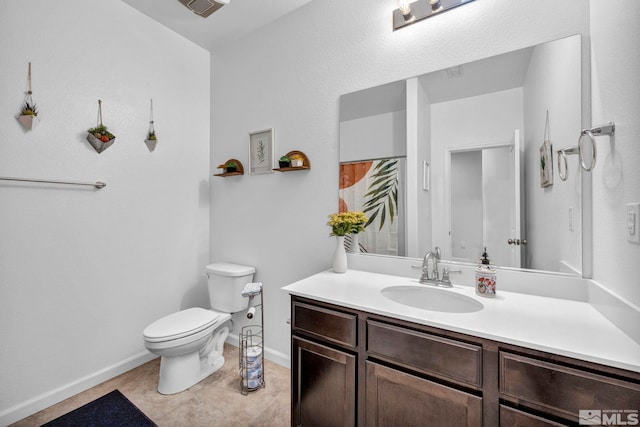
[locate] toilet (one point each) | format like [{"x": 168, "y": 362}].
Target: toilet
[{"x": 190, "y": 342}]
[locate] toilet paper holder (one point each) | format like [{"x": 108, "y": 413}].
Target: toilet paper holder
[{"x": 251, "y": 352}]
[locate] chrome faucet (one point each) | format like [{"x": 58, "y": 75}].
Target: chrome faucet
[
  {"x": 434, "y": 256},
  {"x": 433, "y": 277}
]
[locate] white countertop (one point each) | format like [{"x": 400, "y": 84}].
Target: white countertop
[{"x": 561, "y": 326}]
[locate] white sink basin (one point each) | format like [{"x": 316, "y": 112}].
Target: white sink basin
[{"x": 434, "y": 299}]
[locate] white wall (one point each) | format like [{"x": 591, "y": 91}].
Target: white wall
[
  {"x": 290, "y": 75},
  {"x": 615, "y": 83},
  {"x": 374, "y": 137},
  {"x": 550, "y": 236},
  {"x": 84, "y": 271}
]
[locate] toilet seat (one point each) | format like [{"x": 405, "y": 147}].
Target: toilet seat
[{"x": 181, "y": 324}]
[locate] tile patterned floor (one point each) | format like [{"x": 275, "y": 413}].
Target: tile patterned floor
[{"x": 215, "y": 401}]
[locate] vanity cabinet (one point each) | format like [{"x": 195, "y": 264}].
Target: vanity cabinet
[
  {"x": 323, "y": 366},
  {"x": 351, "y": 368}
]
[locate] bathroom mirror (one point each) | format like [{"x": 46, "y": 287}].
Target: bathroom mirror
[{"x": 465, "y": 158}]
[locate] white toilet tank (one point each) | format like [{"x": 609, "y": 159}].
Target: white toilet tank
[{"x": 226, "y": 282}]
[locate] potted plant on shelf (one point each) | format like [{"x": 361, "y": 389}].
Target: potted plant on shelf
[
  {"x": 284, "y": 162},
  {"x": 296, "y": 160},
  {"x": 231, "y": 166}
]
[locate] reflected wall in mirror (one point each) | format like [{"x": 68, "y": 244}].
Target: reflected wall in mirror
[{"x": 465, "y": 148}]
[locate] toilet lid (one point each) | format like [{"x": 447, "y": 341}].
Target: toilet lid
[{"x": 181, "y": 324}]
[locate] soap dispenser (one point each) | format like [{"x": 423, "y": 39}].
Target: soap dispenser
[{"x": 485, "y": 277}]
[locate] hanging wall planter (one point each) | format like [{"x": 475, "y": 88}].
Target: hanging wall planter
[
  {"x": 151, "y": 140},
  {"x": 28, "y": 117},
  {"x": 99, "y": 137}
]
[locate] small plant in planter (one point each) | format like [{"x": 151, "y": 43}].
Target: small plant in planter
[
  {"x": 151, "y": 139},
  {"x": 284, "y": 162},
  {"x": 99, "y": 137},
  {"x": 29, "y": 109},
  {"x": 101, "y": 133},
  {"x": 296, "y": 160},
  {"x": 231, "y": 167},
  {"x": 28, "y": 117}
]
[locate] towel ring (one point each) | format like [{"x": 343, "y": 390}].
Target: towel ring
[
  {"x": 608, "y": 129},
  {"x": 594, "y": 153},
  {"x": 562, "y": 155}
]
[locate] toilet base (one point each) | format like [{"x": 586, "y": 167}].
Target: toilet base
[
  {"x": 178, "y": 373},
  {"x": 182, "y": 372}
]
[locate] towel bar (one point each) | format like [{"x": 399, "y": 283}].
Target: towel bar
[{"x": 97, "y": 184}]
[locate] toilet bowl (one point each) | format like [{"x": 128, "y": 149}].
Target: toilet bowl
[{"x": 190, "y": 342}]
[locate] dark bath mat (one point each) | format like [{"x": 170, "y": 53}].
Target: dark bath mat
[{"x": 111, "y": 410}]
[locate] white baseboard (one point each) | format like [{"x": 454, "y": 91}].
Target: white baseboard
[
  {"x": 38, "y": 403},
  {"x": 269, "y": 353}
]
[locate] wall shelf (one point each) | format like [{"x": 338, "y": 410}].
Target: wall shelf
[
  {"x": 239, "y": 171},
  {"x": 306, "y": 165}
]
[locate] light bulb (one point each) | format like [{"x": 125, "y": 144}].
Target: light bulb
[{"x": 405, "y": 9}]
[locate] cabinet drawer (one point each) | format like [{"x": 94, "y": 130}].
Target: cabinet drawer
[
  {"x": 327, "y": 324},
  {"x": 431, "y": 354},
  {"x": 562, "y": 390},
  {"x": 510, "y": 417}
]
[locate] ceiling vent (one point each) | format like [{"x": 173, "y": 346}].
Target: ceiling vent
[
  {"x": 454, "y": 72},
  {"x": 204, "y": 8}
]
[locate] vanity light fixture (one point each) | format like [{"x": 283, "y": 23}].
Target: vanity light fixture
[{"x": 407, "y": 13}]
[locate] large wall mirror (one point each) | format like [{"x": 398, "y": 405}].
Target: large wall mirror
[{"x": 465, "y": 158}]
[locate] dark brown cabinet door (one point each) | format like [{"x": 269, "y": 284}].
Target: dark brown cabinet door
[
  {"x": 395, "y": 398},
  {"x": 324, "y": 385}
]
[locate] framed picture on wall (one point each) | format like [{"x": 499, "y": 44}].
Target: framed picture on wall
[
  {"x": 546, "y": 164},
  {"x": 261, "y": 151}
]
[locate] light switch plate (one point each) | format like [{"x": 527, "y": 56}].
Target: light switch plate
[{"x": 632, "y": 219}]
